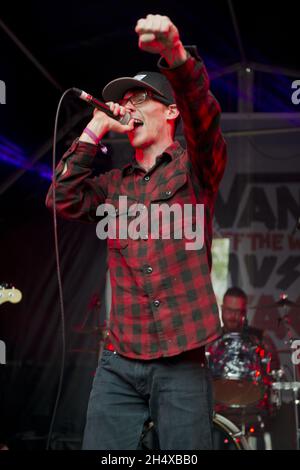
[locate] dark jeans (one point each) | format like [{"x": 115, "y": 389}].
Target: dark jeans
[{"x": 175, "y": 392}]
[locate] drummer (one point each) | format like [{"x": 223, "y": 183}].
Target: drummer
[
  {"x": 234, "y": 317},
  {"x": 234, "y": 310}
]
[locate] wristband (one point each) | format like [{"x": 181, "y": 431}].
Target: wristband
[{"x": 92, "y": 135}]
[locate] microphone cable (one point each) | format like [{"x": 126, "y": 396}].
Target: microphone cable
[{"x": 58, "y": 271}]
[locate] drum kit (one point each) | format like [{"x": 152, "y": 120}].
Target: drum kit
[{"x": 246, "y": 391}]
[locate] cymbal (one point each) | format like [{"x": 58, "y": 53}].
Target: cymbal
[{"x": 282, "y": 302}]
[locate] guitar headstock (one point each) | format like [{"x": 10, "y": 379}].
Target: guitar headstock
[{"x": 9, "y": 293}]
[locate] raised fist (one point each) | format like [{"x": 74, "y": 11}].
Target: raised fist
[{"x": 157, "y": 34}]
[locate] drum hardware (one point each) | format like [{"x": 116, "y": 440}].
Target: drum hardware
[
  {"x": 226, "y": 435},
  {"x": 278, "y": 386},
  {"x": 294, "y": 384},
  {"x": 286, "y": 386}
]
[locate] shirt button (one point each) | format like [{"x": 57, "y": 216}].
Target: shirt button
[
  {"x": 147, "y": 178},
  {"x": 149, "y": 270},
  {"x": 156, "y": 303},
  {"x": 168, "y": 193}
]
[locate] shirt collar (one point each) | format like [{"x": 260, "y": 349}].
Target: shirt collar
[{"x": 172, "y": 152}]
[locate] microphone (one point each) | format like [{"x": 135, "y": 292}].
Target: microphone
[{"x": 100, "y": 105}]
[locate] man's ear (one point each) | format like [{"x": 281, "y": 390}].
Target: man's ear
[{"x": 172, "y": 111}]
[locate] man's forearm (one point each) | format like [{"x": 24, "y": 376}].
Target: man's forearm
[
  {"x": 175, "y": 56},
  {"x": 98, "y": 128}
]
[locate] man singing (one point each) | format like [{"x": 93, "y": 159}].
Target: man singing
[{"x": 163, "y": 309}]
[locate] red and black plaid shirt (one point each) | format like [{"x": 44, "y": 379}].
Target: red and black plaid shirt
[{"x": 162, "y": 297}]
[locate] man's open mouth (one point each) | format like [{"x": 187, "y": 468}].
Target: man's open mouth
[{"x": 138, "y": 122}]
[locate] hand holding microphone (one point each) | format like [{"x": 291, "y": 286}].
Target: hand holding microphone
[{"x": 107, "y": 117}]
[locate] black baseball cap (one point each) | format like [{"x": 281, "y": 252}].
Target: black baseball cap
[{"x": 154, "y": 81}]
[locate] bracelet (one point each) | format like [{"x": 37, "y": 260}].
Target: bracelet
[{"x": 92, "y": 135}]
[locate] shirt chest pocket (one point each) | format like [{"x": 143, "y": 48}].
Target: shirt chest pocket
[{"x": 172, "y": 190}]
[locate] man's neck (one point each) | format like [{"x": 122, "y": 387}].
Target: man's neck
[{"x": 146, "y": 157}]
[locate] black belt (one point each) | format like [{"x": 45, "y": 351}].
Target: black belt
[{"x": 195, "y": 355}]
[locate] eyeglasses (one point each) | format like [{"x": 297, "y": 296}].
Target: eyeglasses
[
  {"x": 139, "y": 97},
  {"x": 236, "y": 311},
  {"x": 136, "y": 98}
]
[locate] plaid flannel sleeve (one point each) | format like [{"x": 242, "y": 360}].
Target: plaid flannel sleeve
[
  {"x": 78, "y": 194},
  {"x": 200, "y": 113}
]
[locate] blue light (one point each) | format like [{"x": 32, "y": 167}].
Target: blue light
[{"x": 13, "y": 155}]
